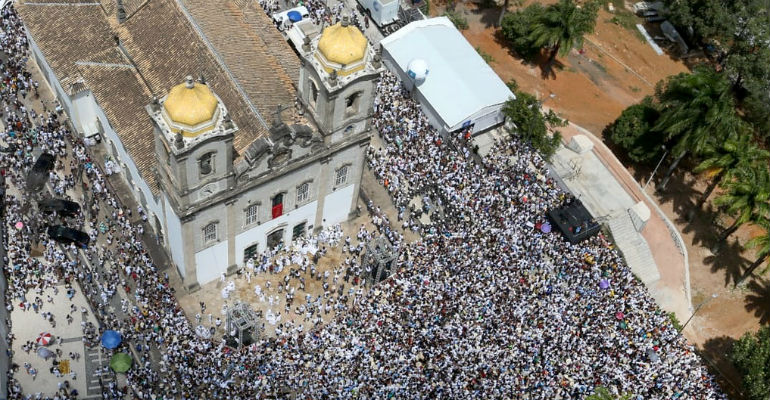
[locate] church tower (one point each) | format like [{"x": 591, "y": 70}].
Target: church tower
[
  {"x": 193, "y": 143},
  {"x": 337, "y": 81}
]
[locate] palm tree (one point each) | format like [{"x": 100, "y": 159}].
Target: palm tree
[
  {"x": 721, "y": 160},
  {"x": 746, "y": 197},
  {"x": 762, "y": 244},
  {"x": 562, "y": 27},
  {"x": 697, "y": 110},
  {"x": 506, "y": 3}
]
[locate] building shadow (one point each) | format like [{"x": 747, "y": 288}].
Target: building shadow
[
  {"x": 716, "y": 352},
  {"x": 758, "y": 300}
]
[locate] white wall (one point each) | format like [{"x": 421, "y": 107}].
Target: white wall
[
  {"x": 152, "y": 206},
  {"x": 211, "y": 262},
  {"x": 337, "y": 205},
  {"x": 173, "y": 228},
  {"x": 258, "y": 234}
]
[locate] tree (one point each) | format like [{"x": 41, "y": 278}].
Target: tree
[
  {"x": 746, "y": 197},
  {"x": 602, "y": 393},
  {"x": 702, "y": 20},
  {"x": 534, "y": 126},
  {"x": 506, "y": 4},
  {"x": 562, "y": 27},
  {"x": 516, "y": 27},
  {"x": 751, "y": 356},
  {"x": 696, "y": 109},
  {"x": 633, "y": 131},
  {"x": 762, "y": 244},
  {"x": 721, "y": 159}
]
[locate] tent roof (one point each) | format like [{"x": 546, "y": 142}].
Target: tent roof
[{"x": 459, "y": 82}]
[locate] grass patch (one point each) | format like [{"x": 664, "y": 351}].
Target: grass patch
[
  {"x": 486, "y": 56},
  {"x": 635, "y": 89},
  {"x": 675, "y": 321},
  {"x": 460, "y": 22}
]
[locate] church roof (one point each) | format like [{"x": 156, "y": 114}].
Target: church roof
[{"x": 159, "y": 46}]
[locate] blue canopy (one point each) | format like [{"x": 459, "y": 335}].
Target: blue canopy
[
  {"x": 111, "y": 339},
  {"x": 294, "y": 16}
]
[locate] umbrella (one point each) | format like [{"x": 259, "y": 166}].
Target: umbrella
[
  {"x": 44, "y": 339},
  {"x": 19, "y": 225},
  {"x": 604, "y": 284},
  {"x": 619, "y": 315},
  {"x": 121, "y": 362},
  {"x": 545, "y": 228},
  {"x": 45, "y": 353},
  {"x": 294, "y": 16},
  {"x": 111, "y": 339}
]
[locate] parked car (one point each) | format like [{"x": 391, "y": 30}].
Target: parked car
[
  {"x": 63, "y": 234},
  {"x": 38, "y": 175},
  {"x": 64, "y": 208}
]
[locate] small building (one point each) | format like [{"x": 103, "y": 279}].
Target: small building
[{"x": 455, "y": 86}]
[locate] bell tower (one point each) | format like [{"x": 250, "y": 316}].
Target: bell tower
[
  {"x": 193, "y": 143},
  {"x": 337, "y": 81}
]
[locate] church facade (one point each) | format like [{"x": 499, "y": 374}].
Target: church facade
[{"x": 214, "y": 198}]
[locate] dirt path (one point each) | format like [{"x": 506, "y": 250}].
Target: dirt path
[{"x": 595, "y": 85}]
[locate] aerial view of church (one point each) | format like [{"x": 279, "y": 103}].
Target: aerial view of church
[{"x": 383, "y": 199}]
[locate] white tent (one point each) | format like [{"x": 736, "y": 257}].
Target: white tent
[{"x": 454, "y": 85}]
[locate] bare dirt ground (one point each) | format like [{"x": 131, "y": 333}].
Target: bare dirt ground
[{"x": 617, "y": 68}]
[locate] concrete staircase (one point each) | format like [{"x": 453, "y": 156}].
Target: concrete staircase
[{"x": 633, "y": 246}]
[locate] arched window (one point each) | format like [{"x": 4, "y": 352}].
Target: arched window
[
  {"x": 206, "y": 164},
  {"x": 313, "y": 93},
  {"x": 351, "y": 103}
]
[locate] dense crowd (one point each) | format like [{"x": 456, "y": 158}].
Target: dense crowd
[{"x": 485, "y": 305}]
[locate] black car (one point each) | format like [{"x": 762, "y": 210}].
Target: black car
[
  {"x": 64, "y": 208},
  {"x": 65, "y": 235},
  {"x": 38, "y": 175}
]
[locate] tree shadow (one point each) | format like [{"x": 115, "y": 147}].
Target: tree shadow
[
  {"x": 730, "y": 260},
  {"x": 716, "y": 352},
  {"x": 489, "y": 13},
  {"x": 503, "y": 43},
  {"x": 679, "y": 190},
  {"x": 758, "y": 301},
  {"x": 704, "y": 226}
]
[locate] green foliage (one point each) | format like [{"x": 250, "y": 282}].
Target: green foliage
[
  {"x": 697, "y": 109},
  {"x": 425, "y": 8},
  {"x": 675, "y": 321},
  {"x": 533, "y": 125},
  {"x": 633, "y": 132},
  {"x": 747, "y": 195},
  {"x": 460, "y": 21},
  {"x": 751, "y": 356},
  {"x": 516, "y": 27},
  {"x": 762, "y": 242},
  {"x": 562, "y": 26},
  {"x": 486, "y": 56},
  {"x": 602, "y": 393}
]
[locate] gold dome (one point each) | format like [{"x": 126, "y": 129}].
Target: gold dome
[
  {"x": 342, "y": 44},
  {"x": 190, "y": 103}
]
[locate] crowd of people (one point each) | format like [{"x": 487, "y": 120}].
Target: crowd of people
[{"x": 484, "y": 305}]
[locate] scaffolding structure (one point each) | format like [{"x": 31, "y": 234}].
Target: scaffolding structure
[
  {"x": 381, "y": 257},
  {"x": 244, "y": 323}
]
